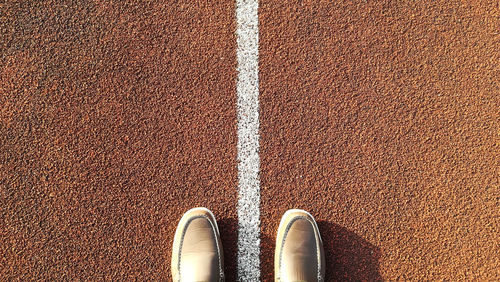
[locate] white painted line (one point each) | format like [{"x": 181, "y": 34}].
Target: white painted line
[{"x": 247, "y": 89}]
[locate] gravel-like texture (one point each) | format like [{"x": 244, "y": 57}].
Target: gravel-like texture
[
  {"x": 115, "y": 118},
  {"x": 381, "y": 119}
]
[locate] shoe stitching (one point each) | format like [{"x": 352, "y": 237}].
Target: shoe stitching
[
  {"x": 221, "y": 272},
  {"x": 318, "y": 254}
]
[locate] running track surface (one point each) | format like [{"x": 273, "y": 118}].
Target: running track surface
[{"x": 379, "y": 117}]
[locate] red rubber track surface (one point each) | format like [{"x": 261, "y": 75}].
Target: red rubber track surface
[
  {"x": 116, "y": 117},
  {"x": 381, "y": 119}
]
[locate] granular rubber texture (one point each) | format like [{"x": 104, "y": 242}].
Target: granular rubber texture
[
  {"x": 116, "y": 117},
  {"x": 381, "y": 119}
]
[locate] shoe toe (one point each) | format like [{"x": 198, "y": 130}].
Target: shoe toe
[
  {"x": 299, "y": 251},
  {"x": 197, "y": 251}
]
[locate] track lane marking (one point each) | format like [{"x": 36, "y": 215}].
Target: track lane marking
[{"x": 247, "y": 88}]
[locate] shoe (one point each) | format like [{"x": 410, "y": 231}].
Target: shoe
[
  {"x": 299, "y": 254},
  {"x": 197, "y": 250}
]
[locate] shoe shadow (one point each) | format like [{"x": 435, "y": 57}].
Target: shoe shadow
[
  {"x": 228, "y": 228},
  {"x": 348, "y": 256}
]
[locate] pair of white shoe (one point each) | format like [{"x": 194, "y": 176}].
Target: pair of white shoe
[{"x": 197, "y": 250}]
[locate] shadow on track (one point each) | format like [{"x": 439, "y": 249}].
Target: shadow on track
[
  {"x": 348, "y": 256},
  {"x": 228, "y": 228}
]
